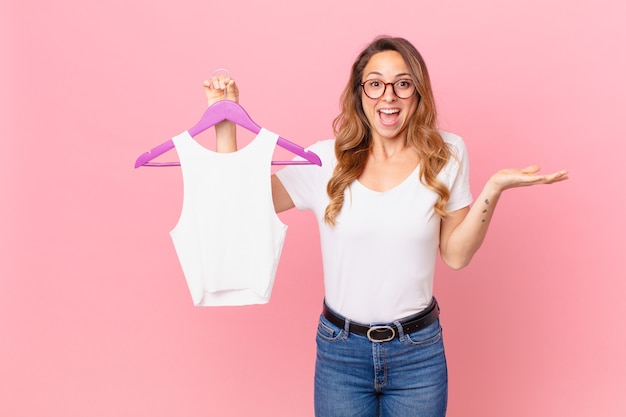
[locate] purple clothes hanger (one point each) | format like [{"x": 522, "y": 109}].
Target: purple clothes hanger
[{"x": 227, "y": 110}]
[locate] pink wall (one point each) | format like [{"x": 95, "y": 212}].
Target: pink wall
[{"x": 95, "y": 316}]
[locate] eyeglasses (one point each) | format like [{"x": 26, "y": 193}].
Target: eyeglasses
[{"x": 376, "y": 88}]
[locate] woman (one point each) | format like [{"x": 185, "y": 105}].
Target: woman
[{"x": 392, "y": 191}]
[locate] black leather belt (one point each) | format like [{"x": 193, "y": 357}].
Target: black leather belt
[{"x": 387, "y": 332}]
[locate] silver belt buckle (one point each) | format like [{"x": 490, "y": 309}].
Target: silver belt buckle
[{"x": 379, "y": 329}]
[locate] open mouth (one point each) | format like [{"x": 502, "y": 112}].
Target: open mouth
[{"x": 389, "y": 116}]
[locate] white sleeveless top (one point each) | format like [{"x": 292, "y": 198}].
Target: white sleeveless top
[{"x": 228, "y": 238}]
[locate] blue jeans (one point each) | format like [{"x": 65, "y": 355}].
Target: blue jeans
[{"x": 404, "y": 377}]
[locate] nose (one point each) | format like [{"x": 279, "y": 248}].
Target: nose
[{"x": 389, "y": 94}]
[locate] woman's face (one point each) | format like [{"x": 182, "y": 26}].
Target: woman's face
[{"x": 388, "y": 115}]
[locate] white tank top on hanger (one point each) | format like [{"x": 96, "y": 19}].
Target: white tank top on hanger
[{"x": 228, "y": 238}]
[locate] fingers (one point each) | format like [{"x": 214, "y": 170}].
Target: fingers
[
  {"x": 547, "y": 178},
  {"x": 532, "y": 175},
  {"x": 532, "y": 171},
  {"x": 557, "y": 177},
  {"x": 220, "y": 87},
  {"x": 217, "y": 83}
]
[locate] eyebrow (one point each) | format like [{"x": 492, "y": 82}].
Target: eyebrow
[{"x": 402, "y": 74}]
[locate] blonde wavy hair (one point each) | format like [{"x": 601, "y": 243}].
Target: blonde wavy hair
[{"x": 353, "y": 134}]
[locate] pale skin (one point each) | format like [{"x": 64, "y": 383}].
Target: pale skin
[
  {"x": 391, "y": 160},
  {"x": 216, "y": 89}
]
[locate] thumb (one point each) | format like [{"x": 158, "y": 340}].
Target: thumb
[
  {"x": 232, "y": 91},
  {"x": 531, "y": 169}
]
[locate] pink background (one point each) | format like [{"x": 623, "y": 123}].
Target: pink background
[{"x": 95, "y": 316}]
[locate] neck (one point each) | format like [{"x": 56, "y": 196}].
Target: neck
[{"x": 388, "y": 148}]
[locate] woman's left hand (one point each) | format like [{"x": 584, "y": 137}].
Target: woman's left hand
[{"x": 512, "y": 178}]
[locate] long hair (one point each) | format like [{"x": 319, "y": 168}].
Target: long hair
[{"x": 353, "y": 137}]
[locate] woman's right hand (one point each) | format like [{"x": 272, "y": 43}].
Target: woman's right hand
[{"x": 221, "y": 88}]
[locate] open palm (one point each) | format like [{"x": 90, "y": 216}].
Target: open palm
[{"x": 512, "y": 178}]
